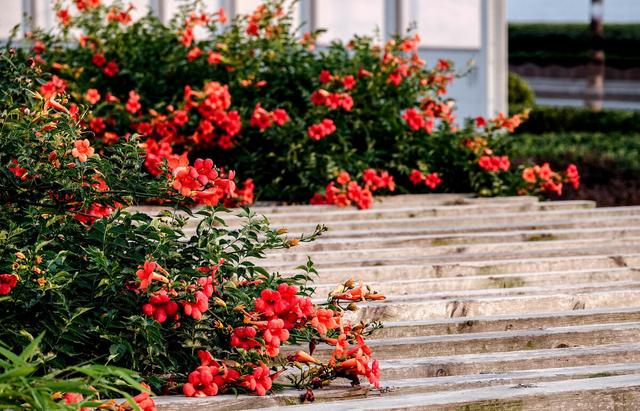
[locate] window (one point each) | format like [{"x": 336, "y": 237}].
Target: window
[
  {"x": 10, "y": 16},
  {"x": 447, "y": 23},
  {"x": 343, "y": 19}
]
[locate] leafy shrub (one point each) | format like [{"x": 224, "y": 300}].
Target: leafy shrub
[
  {"x": 161, "y": 296},
  {"x": 256, "y": 96},
  {"x": 569, "y": 44},
  {"x": 609, "y": 162},
  {"x": 70, "y": 388},
  {"x": 521, "y": 95},
  {"x": 618, "y": 152},
  {"x": 543, "y": 119}
]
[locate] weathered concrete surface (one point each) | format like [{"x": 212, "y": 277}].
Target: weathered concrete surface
[{"x": 492, "y": 303}]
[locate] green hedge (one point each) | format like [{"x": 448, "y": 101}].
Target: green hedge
[
  {"x": 569, "y": 44},
  {"x": 615, "y": 152},
  {"x": 544, "y": 119},
  {"x": 521, "y": 95},
  {"x": 609, "y": 163}
]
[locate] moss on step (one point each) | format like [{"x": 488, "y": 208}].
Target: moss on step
[
  {"x": 541, "y": 237},
  {"x": 509, "y": 282},
  {"x": 503, "y": 405},
  {"x": 601, "y": 374}
]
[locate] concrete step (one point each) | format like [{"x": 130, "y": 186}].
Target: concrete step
[
  {"x": 358, "y": 257},
  {"x": 326, "y": 217},
  {"x": 498, "y": 362},
  {"x": 460, "y": 255},
  {"x": 597, "y": 217},
  {"x": 505, "y": 322},
  {"x": 438, "y": 269},
  {"x": 421, "y": 308},
  {"x": 333, "y": 232},
  {"x": 395, "y": 201},
  {"x": 398, "y": 241},
  {"x": 604, "y": 393},
  {"x": 502, "y": 303},
  {"x": 544, "y": 279},
  {"x": 496, "y": 341},
  {"x": 396, "y": 387},
  {"x": 443, "y": 199}
]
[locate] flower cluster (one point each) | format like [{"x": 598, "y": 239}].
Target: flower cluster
[
  {"x": 166, "y": 300},
  {"x": 209, "y": 378},
  {"x": 431, "y": 180},
  {"x": 494, "y": 164},
  {"x": 333, "y": 101},
  {"x": 425, "y": 117},
  {"x": 7, "y": 283},
  {"x": 202, "y": 182},
  {"x": 276, "y": 314},
  {"x": 263, "y": 119},
  {"x": 147, "y": 290},
  {"x": 242, "y": 196},
  {"x": 344, "y": 191},
  {"x": 322, "y": 129},
  {"x": 378, "y": 102},
  {"x": 544, "y": 179}
]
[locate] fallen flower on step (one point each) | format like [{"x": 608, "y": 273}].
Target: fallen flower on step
[
  {"x": 143, "y": 402},
  {"x": 259, "y": 381},
  {"x": 302, "y": 357},
  {"x": 357, "y": 294}
]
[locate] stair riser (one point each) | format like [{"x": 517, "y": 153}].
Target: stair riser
[
  {"x": 542, "y": 248},
  {"x": 475, "y": 243},
  {"x": 392, "y": 241},
  {"x": 459, "y": 258},
  {"x": 418, "y": 200},
  {"x": 439, "y": 369},
  {"x": 496, "y": 306},
  {"x": 443, "y": 225},
  {"x": 481, "y": 268},
  {"x": 489, "y": 324},
  {"x": 509, "y": 281},
  {"x": 625, "y": 398},
  {"x": 515, "y": 343},
  {"x": 419, "y": 212}
]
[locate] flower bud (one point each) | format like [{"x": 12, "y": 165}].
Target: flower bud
[
  {"x": 294, "y": 242},
  {"x": 352, "y": 307},
  {"x": 308, "y": 396},
  {"x": 282, "y": 230},
  {"x": 20, "y": 255}
]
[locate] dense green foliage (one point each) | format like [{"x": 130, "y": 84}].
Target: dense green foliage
[
  {"x": 609, "y": 162},
  {"x": 257, "y": 97},
  {"x": 615, "y": 151},
  {"x": 569, "y": 44},
  {"x": 109, "y": 285},
  {"x": 547, "y": 119},
  {"x": 23, "y": 385},
  {"x": 521, "y": 95}
]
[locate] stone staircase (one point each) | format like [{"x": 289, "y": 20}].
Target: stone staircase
[{"x": 505, "y": 303}]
